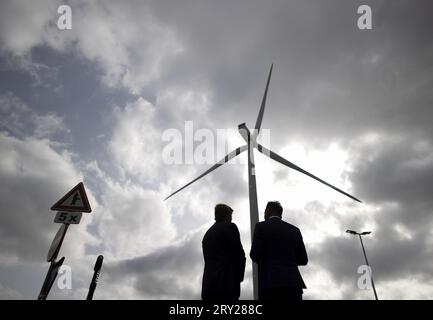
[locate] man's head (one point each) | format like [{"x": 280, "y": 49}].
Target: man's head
[
  {"x": 273, "y": 208},
  {"x": 223, "y": 213}
]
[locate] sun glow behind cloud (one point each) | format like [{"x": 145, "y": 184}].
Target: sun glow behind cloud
[{"x": 329, "y": 164}]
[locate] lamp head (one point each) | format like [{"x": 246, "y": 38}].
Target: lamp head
[{"x": 351, "y": 232}]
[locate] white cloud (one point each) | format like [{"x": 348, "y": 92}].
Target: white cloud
[
  {"x": 101, "y": 31},
  {"x": 320, "y": 284},
  {"x": 130, "y": 220},
  {"x": 134, "y": 61},
  {"x": 410, "y": 288},
  {"x": 134, "y": 221},
  {"x": 24, "y": 23},
  {"x": 47, "y": 125},
  {"x": 32, "y": 175},
  {"x": 22, "y": 121},
  {"x": 136, "y": 142}
]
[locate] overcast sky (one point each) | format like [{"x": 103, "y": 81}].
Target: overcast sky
[{"x": 93, "y": 103}]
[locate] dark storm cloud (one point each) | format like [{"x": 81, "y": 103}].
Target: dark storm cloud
[
  {"x": 397, "y": 170},
  {"x": 162, "y": 274},
  {"x": 393, "y": 173},
  {"x": 21, "y": 121},
  {"x": 391, "y": 255},
  {"x": 230, "y": 182},
  {"x": 327, "y": 71}
]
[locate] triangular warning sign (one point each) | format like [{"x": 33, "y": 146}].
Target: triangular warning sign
[{"x": 74, "y": 200}]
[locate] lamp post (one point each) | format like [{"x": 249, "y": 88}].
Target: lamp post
[{"x": 360, "y": 234}]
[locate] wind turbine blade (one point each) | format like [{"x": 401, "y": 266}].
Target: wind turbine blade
[
  {"x": 289, "y": 164},
  {"x": 262, "y": 107},
  {"x": 227, "y": 158}
]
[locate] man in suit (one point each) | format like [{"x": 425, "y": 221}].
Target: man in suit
[
  {"x": 224, "y": 258},
  {"x": 278, "y": 249}
]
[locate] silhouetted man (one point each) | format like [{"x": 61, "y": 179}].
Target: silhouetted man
[
  {"x": 278, "y": 249},
  {"x": 224, "y": 258}
]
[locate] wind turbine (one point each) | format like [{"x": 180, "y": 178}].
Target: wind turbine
[{"x": 251, "y": 140}]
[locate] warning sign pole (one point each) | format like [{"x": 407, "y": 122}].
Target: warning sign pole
[{"x": 71, "y": 205}]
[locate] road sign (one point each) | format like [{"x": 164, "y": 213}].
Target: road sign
[
  {"x": 75, "y": 200},
  {"x": 57, "y": 243},
  {"x": 68, "y": 217}
]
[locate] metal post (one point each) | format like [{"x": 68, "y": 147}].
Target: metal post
[
  {"x": 371, "y": 272},
  {"x": 95, "y": 277},
  {"x": 50, "y": 278}
]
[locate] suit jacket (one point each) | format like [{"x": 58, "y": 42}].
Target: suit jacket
[
  {"x": 278, "y": 249},
  {"x": 224, "y": 262}
]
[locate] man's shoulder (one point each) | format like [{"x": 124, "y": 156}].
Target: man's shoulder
[
  {"x": 232, "y": 226},
  {"x": 271, "y": 223},
  {"x": 214, "y": 228},
  {"x": 260, "y": 224},
  {"x": 291, "y": 226},
  {"x": 226, "y": 226},
  {"x": 220, "y": 228}
]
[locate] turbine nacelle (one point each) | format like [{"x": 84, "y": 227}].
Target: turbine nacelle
[{"x": 246, "y": 134}]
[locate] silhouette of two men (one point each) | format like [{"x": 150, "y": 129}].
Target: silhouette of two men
[{"x": 277, "y": 248}]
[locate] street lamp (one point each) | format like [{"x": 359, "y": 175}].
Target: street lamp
[{"x": 360, "y": 234}]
